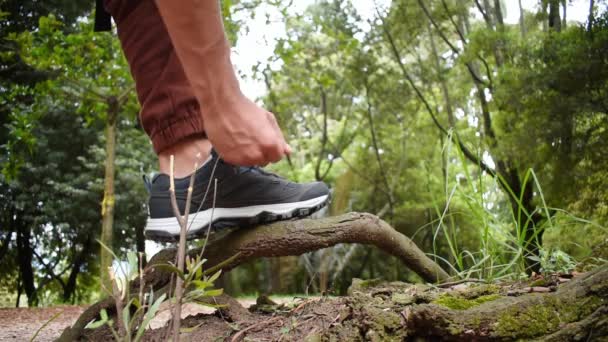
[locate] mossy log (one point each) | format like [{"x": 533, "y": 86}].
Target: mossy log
[
  {"x": 577, "y": 311},
  {"x": 284, "y": 238}
]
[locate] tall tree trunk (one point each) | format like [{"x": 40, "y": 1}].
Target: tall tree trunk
[
  {"x": 545, "y": 7},
  {"x": 498, "y": 13},
  {"x": 554, "y": 18},
  {"x": 19, "y": 290},
  {"x": 442, "y": 81},
  {"x": 24, "y": 257},
  {"x": 6, "y": 241},
  {"x": 500, "y": 28},
  {"x": 565, "y": 18},
  {"x": 107, "y": 206},
  {"x": 522, "y": 20},
  {"x": 591, "y": 15},
  {"x": 140, "y": 244},
  {"x": 275, "y": 271},
  {"x": 489, "y": 17},
  {"x": 79, "y": 260}
]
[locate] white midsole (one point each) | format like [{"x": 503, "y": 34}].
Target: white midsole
[{"x": 201, "y": 219}]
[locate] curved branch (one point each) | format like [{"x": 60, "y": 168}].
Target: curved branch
[
  {"x": 289, "y": 238},
  {"x": 449, "y": 14}
]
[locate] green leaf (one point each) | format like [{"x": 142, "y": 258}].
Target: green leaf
[
  {"x": 148, "y": 317},
  {"x": 214, "y": 293},
  {"x": 104, "y": 314},
  {"x": 126, "y": 314},
  {"x": 201, "y": 284},
  {"x": 215, "y": 276},
  {"x": 95, "y": 324},
  {"x": 133, "y": 264}
]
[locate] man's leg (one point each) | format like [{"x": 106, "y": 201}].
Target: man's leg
[
  {"x": 171, "y": 116},
  {"x": 170, "y": 112},
  {"x": 241, "y": 132}
]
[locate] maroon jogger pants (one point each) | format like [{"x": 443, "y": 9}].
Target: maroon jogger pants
[{"x": 169, "y": 109}]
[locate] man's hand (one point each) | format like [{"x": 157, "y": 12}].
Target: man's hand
[{"x": 243, "y": 133}]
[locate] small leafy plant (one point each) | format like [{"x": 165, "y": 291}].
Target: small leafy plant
[
  {"x": 555, "y": 261},
  {"x": 131, "y": 326}
]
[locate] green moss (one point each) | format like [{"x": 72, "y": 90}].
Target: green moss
[
  {"x": 362, "y": 285},
  {"x": 539, "y": 282},
  {"x": 534, "y": 321},
  {"x": 460, "y": 303},
  {"x": 481, "y": 290},
  {"x": 543, "y": 318},
  {"x": 402, "y": 298}
]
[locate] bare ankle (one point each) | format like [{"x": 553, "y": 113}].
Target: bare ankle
[{"x": 187, "y": 153}]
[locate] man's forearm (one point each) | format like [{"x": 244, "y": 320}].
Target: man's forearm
[{"x": 198, "y": 36}]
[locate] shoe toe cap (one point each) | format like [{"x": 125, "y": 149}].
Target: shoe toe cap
[{"x": 315, "y": 189}]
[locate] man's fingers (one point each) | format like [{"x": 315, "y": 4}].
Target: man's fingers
[
  {"x": 273, "y": 122},
  {"x": 249, "y": 157},
  {"x": 287, "y": 149},
  {"x": 273, "y": 152}
]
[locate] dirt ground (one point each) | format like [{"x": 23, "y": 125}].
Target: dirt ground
[{"x": 21, "y": 324}]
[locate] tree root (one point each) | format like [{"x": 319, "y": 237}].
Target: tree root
[{"x": 284, "y": 238}]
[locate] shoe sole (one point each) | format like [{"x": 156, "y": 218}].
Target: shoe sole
[{"x": 167, "y": 229}]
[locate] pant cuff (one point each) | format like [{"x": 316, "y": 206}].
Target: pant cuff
[{"x": 180, "y": 127}]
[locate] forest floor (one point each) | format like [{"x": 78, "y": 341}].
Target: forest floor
[
  {"x": 373, "y": 311},
  {"x": 21, "y": 324}
]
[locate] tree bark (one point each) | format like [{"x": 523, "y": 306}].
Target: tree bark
[
  {"x": 6, "y": 242},
  {"x": 565, "y": 17},
  {"x": 302, "y": 236},
  {"x": 489, "y": 18},
  {"x": 24, "y": 257},
  {"x": 522, "y": 20},
  {"x": 591, "y": 16},
  {"x": 79, "y": 260},
  {"x": 107, "y": 206},
  {"x": 577, "y": 307},
  {"x": 555, "y": 22}
]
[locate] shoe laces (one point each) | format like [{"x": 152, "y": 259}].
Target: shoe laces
[{"x": 256, "y": 169}]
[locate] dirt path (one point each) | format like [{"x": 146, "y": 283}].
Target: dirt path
[{"x": 20, "y": 324}]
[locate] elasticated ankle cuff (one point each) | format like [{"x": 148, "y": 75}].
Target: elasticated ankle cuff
[{"x": 167, "y": 133}]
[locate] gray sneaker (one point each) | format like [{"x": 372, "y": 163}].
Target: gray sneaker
[{"x": 245, "y": 196}]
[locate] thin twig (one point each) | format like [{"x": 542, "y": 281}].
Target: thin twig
[
  {"x": 176, "y": 211},
  {"x": 181, "y": 256},
  {"x": 461, "y": 281},
  {"x": 211, "y": 219},
  {"x": 206, "y": 193}
]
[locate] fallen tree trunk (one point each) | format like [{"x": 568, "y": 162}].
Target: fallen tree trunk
[
  {"x": 577, "y": 311},
  {"x": 281, "y": 239}
]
